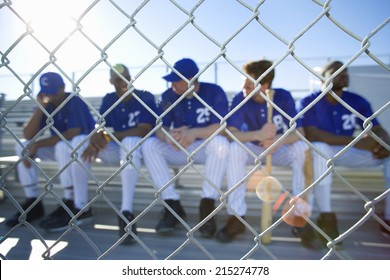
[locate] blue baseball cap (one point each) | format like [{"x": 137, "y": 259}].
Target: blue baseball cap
[
  {"x": 50, "y": 83},
  {"x": 186, "y": 66}
]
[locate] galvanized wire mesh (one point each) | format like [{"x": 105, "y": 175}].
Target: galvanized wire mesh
[{"x": 189, "y": 19}]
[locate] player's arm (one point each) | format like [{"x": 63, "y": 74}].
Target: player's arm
[
  {"x": 97, "y": 142},
  {"x": 165, "y": 134},
  {"x": 268, "y": 131},
  {"x": 290, "y": 138},
  {"x": 33, "y": 125},
  {"x": 51, "y": 141},
  {"x": 202, "y": 132},
  {"x": 140, "y": 130},
  {"x": 186, "y": 136},
  {"x": 381, "y": 133},
  {"x": 314, "y": 134},
  {"x": 380, "y": 151},
  {"x": 161, "y": 133},
  {"x": 189, "y": 135}
]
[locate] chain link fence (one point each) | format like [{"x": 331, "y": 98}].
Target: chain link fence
[{"x": 189, "y": 15}]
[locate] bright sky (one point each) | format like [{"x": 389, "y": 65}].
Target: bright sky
[{"x": 158, "y": 20}]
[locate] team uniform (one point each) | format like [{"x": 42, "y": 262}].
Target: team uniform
[
  {"x": 73, "y": 114},
  {"x": 339, "y": 120},
  {"x": 121, "y": 117},
  {"x": 159, "y": 155},
  {"x": 253, "y": 116}
]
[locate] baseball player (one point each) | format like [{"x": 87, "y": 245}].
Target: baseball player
[
  {"x": 249, "y": 125},
  {"x": 187, "y": 123},
  {"x": 71, "y": 120},
  {"x": 330, "y": 126},
  {"x": 129, "y": 121}
]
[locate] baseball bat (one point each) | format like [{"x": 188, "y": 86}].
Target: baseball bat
[{"x": 266, "y": 210}]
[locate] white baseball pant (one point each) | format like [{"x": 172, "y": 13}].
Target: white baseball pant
[
  {"x": 61, "y": 153},
  {"x": 159, "y": 155},
  {"x": 352, "y": 157},
  {"x": 115, "y": 154},
  {"x": 286, "y": 155}
]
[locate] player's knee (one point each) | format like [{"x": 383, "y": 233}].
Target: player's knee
[
  {"x": 149, "y": 146},
  {"x": 130, "y": 142},
  {"x": 19, "y": 148},
  {"x": 299, "y": 149},
  {"x": 128, "y": 154},
  {"x": 237, "y": 153},
  {"x": 61, "y": 149},
  {"x": 219, "y": 145},
  {"x": 321, "y": 148},
  {"x": 77, "y": 140},
  {"x": 301, "y": 146}
]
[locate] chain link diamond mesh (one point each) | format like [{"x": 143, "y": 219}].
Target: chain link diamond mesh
[{"x": 218, "y": 51}]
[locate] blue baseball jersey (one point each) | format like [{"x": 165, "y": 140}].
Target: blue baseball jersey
[
  {"x": 74, "y": 114},
  {"x": 252, "y": 115},
  {"x": 128, "y": 114},
  {"x": 336, "y": 119},
  {"x": 190, "y": 111}
]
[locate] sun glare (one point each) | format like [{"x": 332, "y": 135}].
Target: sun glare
[
  {"x": 51, "y": 21},
  {"x": 53, "y": 25}
]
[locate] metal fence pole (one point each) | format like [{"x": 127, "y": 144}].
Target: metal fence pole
[{"x": 2, "y": 98}]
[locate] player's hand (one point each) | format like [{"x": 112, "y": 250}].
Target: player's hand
[
  {"x": 32, "y": 150},
  {"x": 366, "y": 143},
  {"x": 268, "y": 131},
  {"x": 176, "y": 134},
  {"x": 27, "y": 163},
  {"x": 90, "y": 153},
  {"x": 43, "y": 99},
  {"x": 98, "y": 141},
  {"x": 268, "y": 143},
  {"x": 183, "y": 135},
  {"x": 167, "y": 139},
  {"x": 380, "y": 152}
]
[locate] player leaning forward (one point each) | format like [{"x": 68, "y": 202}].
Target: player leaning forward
[
  {"x": 190, "y": 123},
  {"x": 330, "y": 126},
  {"x": 71, "y": 121},
  {"x": 129, "y": 121}
]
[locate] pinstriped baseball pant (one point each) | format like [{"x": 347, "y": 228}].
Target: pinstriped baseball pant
[
  {"x": 286, "y": 155},
  {"x": 352, "y": 157},
  {"x": 159, "y": 155}
]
